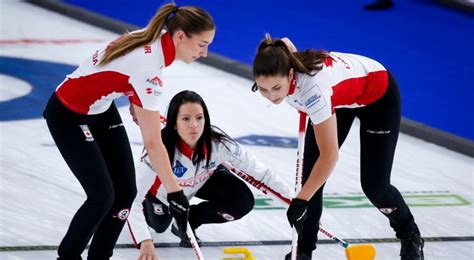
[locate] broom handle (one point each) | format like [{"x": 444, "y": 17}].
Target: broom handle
[
  {"x": 194, "y": 243},
  {"x": 298, "y": 176}
]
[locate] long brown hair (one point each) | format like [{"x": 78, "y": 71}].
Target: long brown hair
[
  {"x": 192, "y": 20},
  {"x": 275, "y": 59}
]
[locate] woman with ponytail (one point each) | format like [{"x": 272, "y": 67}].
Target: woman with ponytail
[
  {"x": 332, "y": 89},
  {"x": 90, "y": 135}
]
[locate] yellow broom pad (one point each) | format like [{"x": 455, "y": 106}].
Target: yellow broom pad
[{"x": 360, "y": 252}]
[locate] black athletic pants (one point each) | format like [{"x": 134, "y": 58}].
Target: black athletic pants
[
  {"x": 226, "y": 198},
  {"x": 97, "y": 150},
  {"x": 379, "y": 129}
]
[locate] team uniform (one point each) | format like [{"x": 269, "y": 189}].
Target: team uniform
[
  {"x": 90, "y": 135},
  {"x": 226, "y": 197},
  {"x": 352, "y": 86}
]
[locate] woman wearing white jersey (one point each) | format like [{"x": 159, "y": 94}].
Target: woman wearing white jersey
[
  {"x": 89, "y": 133},
  {"x": 332, "y": 89},
  {"x": 196, "y": 150}
]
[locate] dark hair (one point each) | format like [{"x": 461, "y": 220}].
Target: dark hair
[
  {"x": 171, "y": 137},
  {"x": 275, "y": 59},
  {"x": 192, "y": 20}
]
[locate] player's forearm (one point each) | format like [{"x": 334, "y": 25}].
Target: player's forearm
[
  {"x": 321, "y": 171},
  {"x": 160, "y": 161}
]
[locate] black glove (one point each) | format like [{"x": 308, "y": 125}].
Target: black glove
[
  {"x": 297, "y": 214},
  {"x": 179, "y": 209}
]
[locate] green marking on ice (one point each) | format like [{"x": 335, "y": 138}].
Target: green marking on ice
[
  {"x": 416, "y": 200},
  {"x": 359, "y": 201},
  {"x": 267, "y": 204}
]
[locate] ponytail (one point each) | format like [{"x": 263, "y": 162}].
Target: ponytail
[
  {"x": 192, "y": 20},
  {"x": 275, "y": 59}
]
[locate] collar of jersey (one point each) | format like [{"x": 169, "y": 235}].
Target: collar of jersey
[
  {"x": 169, "y": 51},
  {"x": 185, "y": 149},
  {"x": 292, "y": 85}
]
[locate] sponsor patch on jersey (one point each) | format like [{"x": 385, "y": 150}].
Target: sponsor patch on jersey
[
  {"x": 196, "y": 180},
  {"x": 155, "y": 89},
  {"x": 123, "y": 214},
  {"x": 155, "y": 81},
  {"x": 147, "y": 49},
  {"x": 95, "y": 58},
  {"x": 87, "y": 133},
  {"x": 210, "y": 166},
  {"x": 343, "y": 61},
  {"x": 179, "y": 170},
  {"x": 312, "y": 101}
]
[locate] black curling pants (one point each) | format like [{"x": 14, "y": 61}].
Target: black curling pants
[
  {"x": 379, "y": 129},
  {"x": 97, "y": 150},
  {"x": 226, "y": 198}
]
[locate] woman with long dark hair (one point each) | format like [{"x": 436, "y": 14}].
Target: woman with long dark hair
[
  {"x": 333, "y": 89},
  {"x": 196, "y": 150}
]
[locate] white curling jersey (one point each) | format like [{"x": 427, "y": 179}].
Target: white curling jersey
[
  {"x": 345, "y": 80},
  {"x": 91, "y": 88},
  {"x": 192, "y": 177}
]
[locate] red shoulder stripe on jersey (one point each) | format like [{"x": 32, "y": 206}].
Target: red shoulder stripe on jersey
[{"x": 169, "y": 51}]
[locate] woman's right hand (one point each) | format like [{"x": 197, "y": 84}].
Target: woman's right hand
[{"x": 147, "y": 251}]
